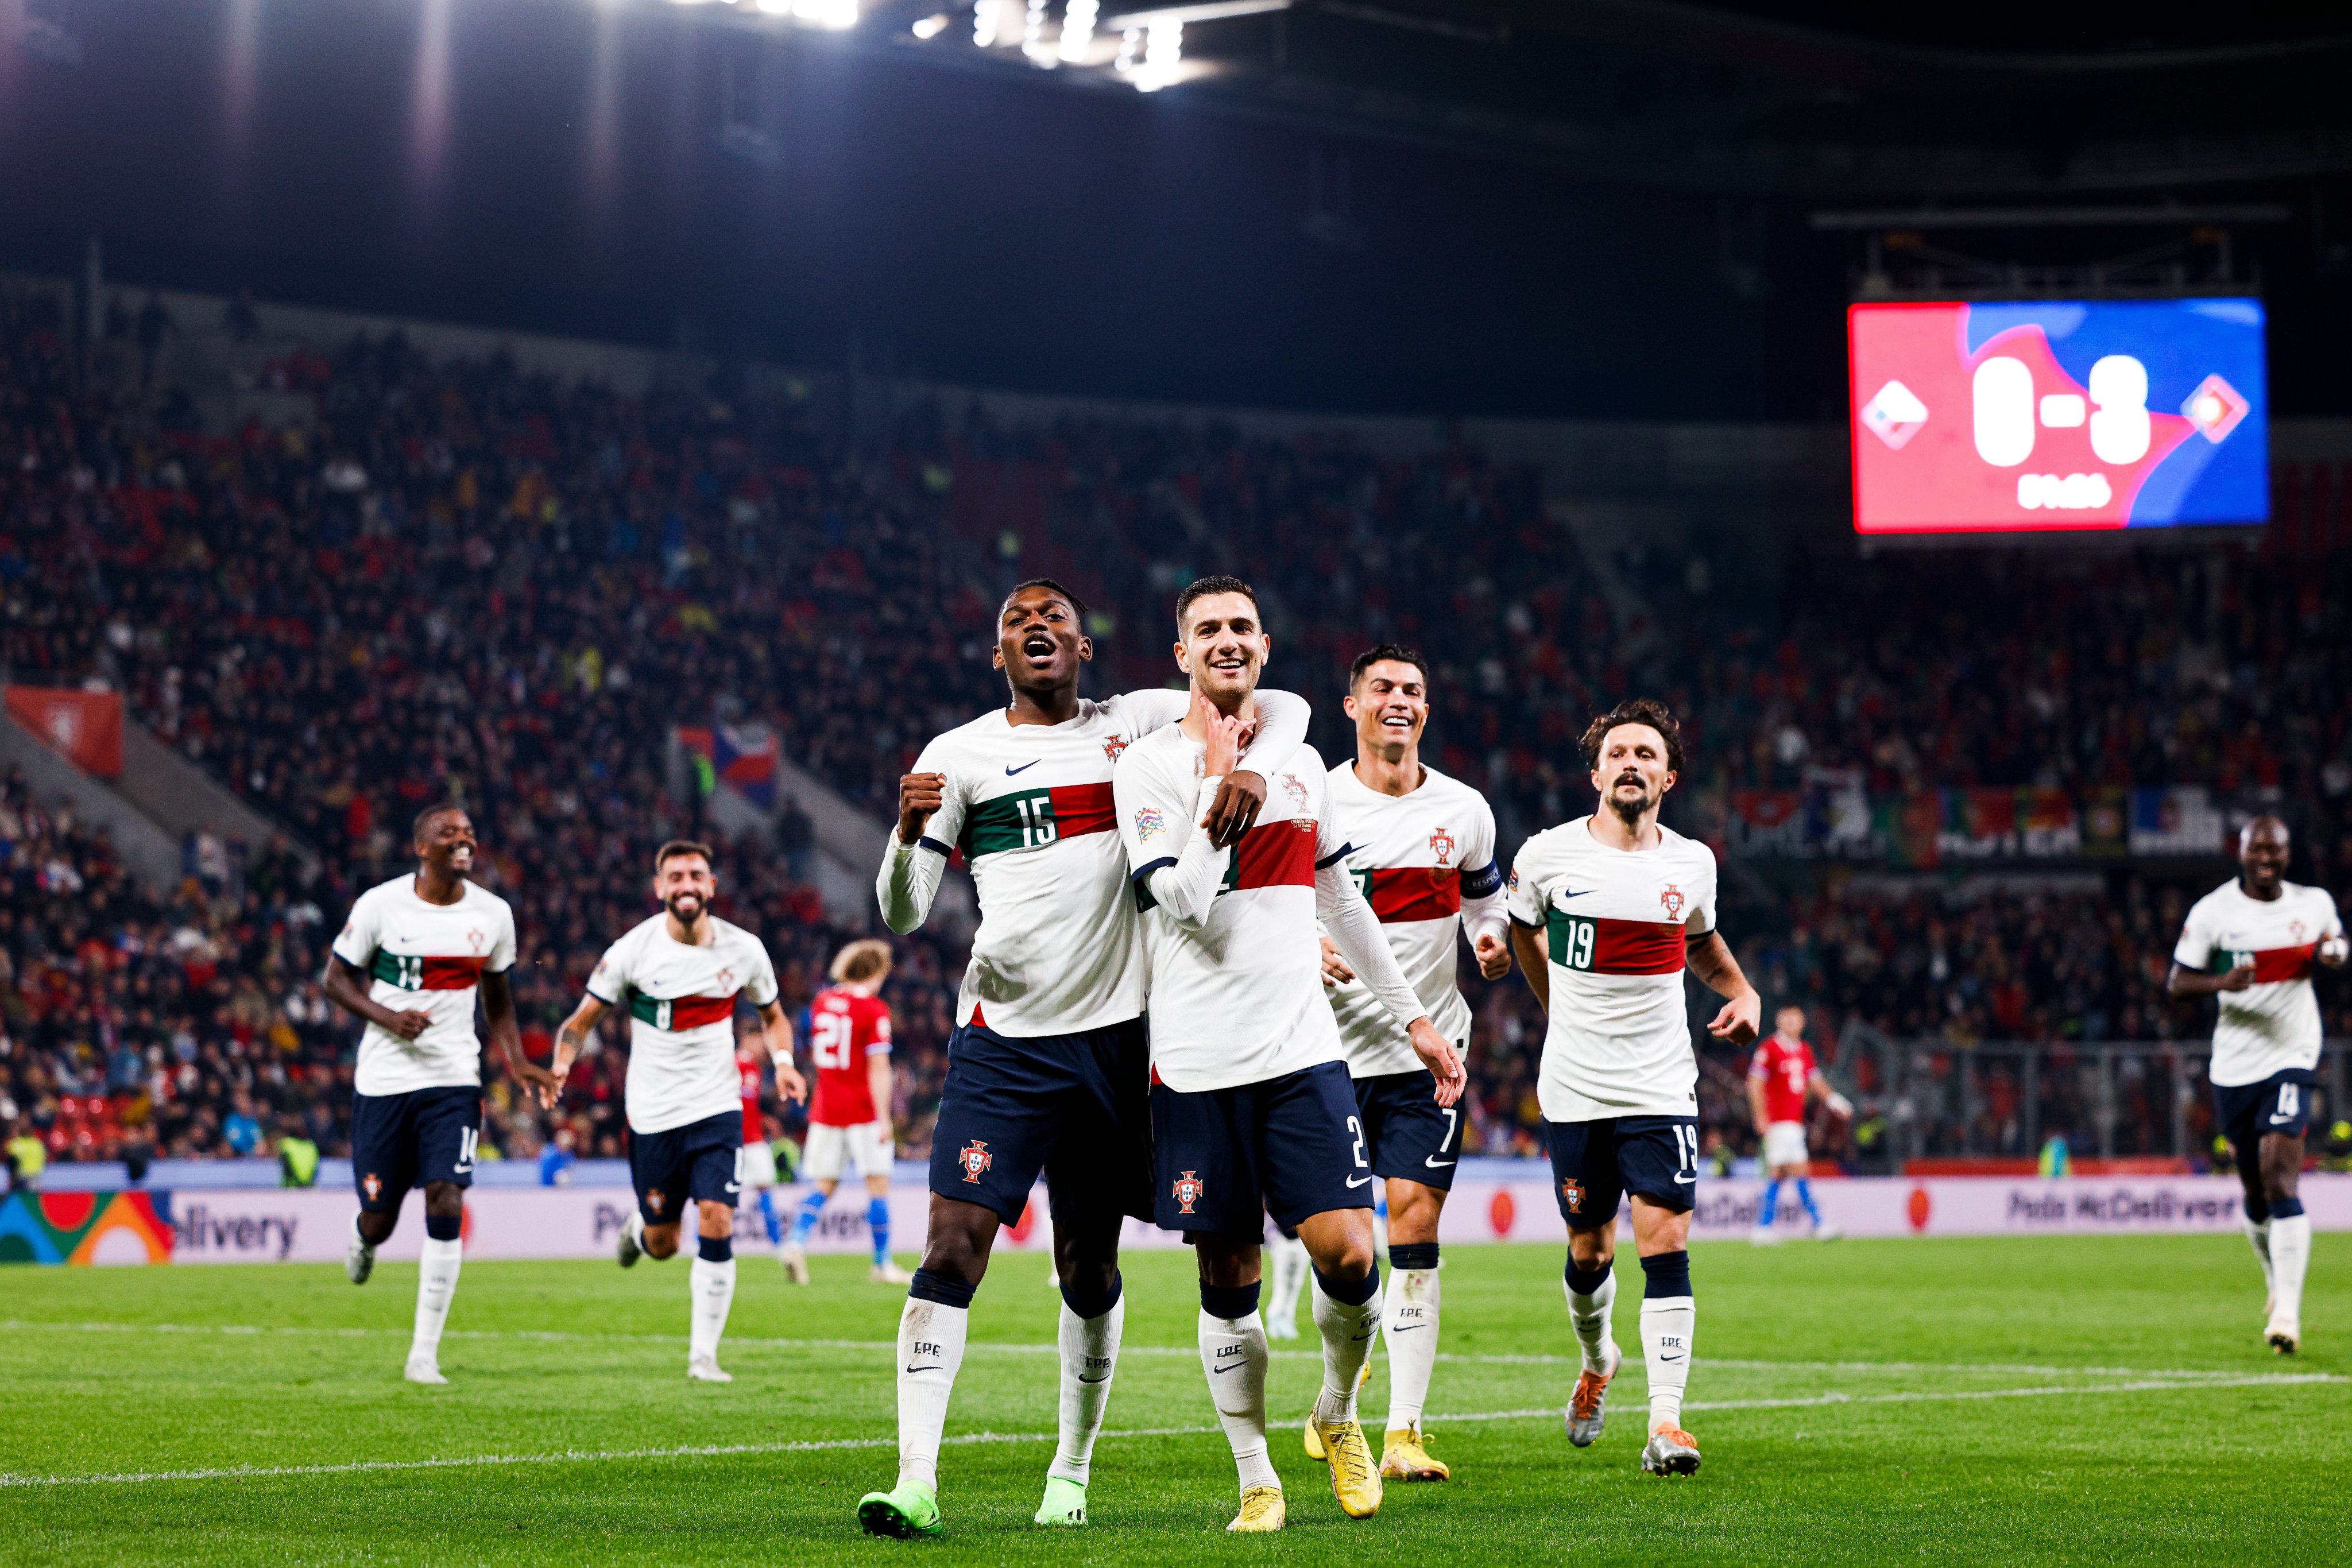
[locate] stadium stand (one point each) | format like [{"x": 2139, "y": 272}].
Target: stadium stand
[{"x": 471, "y": 581}]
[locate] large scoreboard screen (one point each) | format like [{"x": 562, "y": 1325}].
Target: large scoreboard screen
[{"x": 2003, "y": 418}]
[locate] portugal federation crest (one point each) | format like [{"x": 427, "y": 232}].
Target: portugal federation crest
[
  {"x": 372, "y": 1185},
  {"x": 1188, "y": 1189},
  {"x": 1440, "y": 844},
  {"x": 975, "y": 1159},
  {"x": 1295, "y": 789},
  {"x": 1114, "y": 746},
  {"x": 1673, "y": 900},
  {"x": 1572, "y": 1192}
]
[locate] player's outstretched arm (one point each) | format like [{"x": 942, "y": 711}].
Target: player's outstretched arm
[
  {"x": 1711, "y": 959},
  {"x": 777, "y": 1026},
  {"x": 1821, "y": 1089},
  {"x": 506, "y": 1034},
  {"x": 1356, "y": 932},
  {"x": 2184, "y": 981},
  {"x": 347, "y": 986},
  {"x": 1755, "y": 1112},
  {"x": 569, "y": 1041}
]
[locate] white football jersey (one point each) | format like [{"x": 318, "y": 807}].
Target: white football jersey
[
  {"x": 2272, "y": 1024},
  {"x": 424, "y": 957},
  {"x": 1029, "y": 805},
  {"x": 1426, "y": 863},
  {"x": 1614, "y": 924},
  {"x": 1240, "y": 1001},
  {"x": 681, "y": 1002}
]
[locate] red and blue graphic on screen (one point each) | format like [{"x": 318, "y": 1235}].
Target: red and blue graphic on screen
[{"x": 2058, "y": 415}]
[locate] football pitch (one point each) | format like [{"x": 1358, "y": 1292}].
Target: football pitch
[{"x": 2046, "y": 1400}]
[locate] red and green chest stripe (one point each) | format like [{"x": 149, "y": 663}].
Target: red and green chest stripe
[
  {"x": 680, "y": 1013},
  {"x": 1597, "y": 944},
  {"x": 423, "y": 972},
  {"x": 1034, "y": 819}
]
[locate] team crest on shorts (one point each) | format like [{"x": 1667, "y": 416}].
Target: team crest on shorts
[
  {"x": 1188, "y": 1189},
  {"x": 654, "y": 1200},
  {"x": 1673, "y": 899},
  {"x": 1440, "y": 844},
  {"x": 1572, "y": 1191},
  {"x": 1114, "y": 746},
  {"x": 974, "y": 1159},
  {"x": 1150, "y": 822},
  {"x": 372, "y": 1185}
]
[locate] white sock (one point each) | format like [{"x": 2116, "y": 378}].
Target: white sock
[
  {"x": 712, "y": 1286},
  {"x": 1589, "y": 1316},
  {"x": 1666, "y": 1328},
  {"x": 436, "y": 1282},
  {"x": 1347, "y": 1333},
  {"x": 930, "y": 1350},
  {"x": 1412, "y": 1314},
  {"x": 2259, "y": 1236},
  {"x": 1287, "y": 1277},
  {"x": 1089, "y": 1357},
  {"x": 1234, "y": 1359},
  {"x": 2290, "y": 1256}
]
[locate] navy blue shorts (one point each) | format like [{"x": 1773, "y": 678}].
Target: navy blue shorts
[
  {"x": 1409, "y": 1134},
  {"x": 701, "y": 1162},
  {"x": 1290, "y": 1147},
  {"x": 1595, "y": 1164},
  {"x": 1072, "y": 1106},
  {"x": 400, "y": 1140},
  {"x": 2280, "y": 1103}
]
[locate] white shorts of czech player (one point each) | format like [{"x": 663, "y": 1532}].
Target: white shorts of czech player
[
  {"x": 1784, "y": 1145},
  {"x": 759, "y": 1166},
  {"x": 830, "y": 1151}
]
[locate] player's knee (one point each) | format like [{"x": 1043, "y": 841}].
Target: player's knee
[
  {"x": 659, "y": 1241},
  {"x": 957, "y": 1246},
  {"x": 1591, "y": 1251},
  {"x": 375, "y": 1229},
  {"x": 1352, "y": 1261},
  {"x": 717, "y": 1220},
  {"x": 443, "y": 1200}
]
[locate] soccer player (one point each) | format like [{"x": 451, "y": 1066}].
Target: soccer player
[
  {"x": 1253, "y": 1111},
  {"x": 1422, "y": 848},
  {"x": 409, "y": 961},
  {"x": 680, "y": 974},
  {"x": 849, "y": 1114},
  {"x": 1607, "y": 912},
  {"x": 2251, "y": 942},
  {"x": 758, "y": 1154},
  {"x": 1781, "y": 1078},
  {"x": 1046, "y": 1067}
]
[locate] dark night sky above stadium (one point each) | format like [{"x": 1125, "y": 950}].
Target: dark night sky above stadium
[{"x": 1600, "y": 209}]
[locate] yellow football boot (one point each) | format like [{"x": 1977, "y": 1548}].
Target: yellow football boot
[
  {"x": 1404, "y": 1458},
  {"x": 1355, "y": 1479},
  {"x": 1262, "y": 1511},
  {"x": 1313, "y": 1444}
]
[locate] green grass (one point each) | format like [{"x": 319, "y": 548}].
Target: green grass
[{"x": 127, "y": 1372}]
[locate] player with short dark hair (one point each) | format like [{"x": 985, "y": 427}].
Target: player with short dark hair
[
  {"x": 409, "y": 962},
  {"x": 1046, "y": 1067},
  {"x": 2251, "y": 944},
  {"x": 1252, "y": 1110},
  {"x": 681, "y": 974},
  {"x": 1607, "y": 913},
  {"x": 1420, "y": 845}
]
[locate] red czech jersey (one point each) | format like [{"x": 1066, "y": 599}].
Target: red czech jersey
[
  {"x": 1784, "y": 1070},
  {"x": 844, "y": 1030},
  {"x": 748, "y": 1067}
]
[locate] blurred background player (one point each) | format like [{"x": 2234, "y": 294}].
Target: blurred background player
[
  {"x": 1253, "y": 1110},
  {"x": 849, "y": 1110},
  {"x": 1046, "y": 1067},
  {"x": 1422, "y": 848},
  {"x": 759, "y": 1155},
  {"x": 409, "y": 961},
  {"x": 680, "y": 974},
  {"x": 1782, "y": 1078},
  {"x": 1607, "y": 913},
  {"x": 2251, "y": 942}
]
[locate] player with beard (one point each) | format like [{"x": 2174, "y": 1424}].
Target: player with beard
[
  {"x": 409, "y": 961},
  {"x": 1421, "y": 846},
  {"x": 1253, "y": 1110},
  {"x": 2251, "y": 944},
  {"x": 1047, "y": 1068},
  {"x": 680, "y": 974},
  {"x": 1607, "y": 913}
]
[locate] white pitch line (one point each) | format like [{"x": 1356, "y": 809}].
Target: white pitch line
[
  {"x": 713, "y": 1450},
  {"x": 751, "y": 1341}
]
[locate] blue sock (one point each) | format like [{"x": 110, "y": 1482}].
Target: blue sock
[
  {"x": 1805, "y": 1197},
  {"x": 768, "y": 1217},
  {"x": 877, "y": 1220},
  {"x": 1771, "y": 1205},
  {"x": 812, "y": 1206}
]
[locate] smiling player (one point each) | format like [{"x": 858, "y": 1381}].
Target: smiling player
[
  {"x": 1046, "y": 1067},
  {"x": 1607, "y": 912}
]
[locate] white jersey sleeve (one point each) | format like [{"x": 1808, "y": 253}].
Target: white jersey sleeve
[
  {"x": 609, "y": 982},
  {"x": 1168, "y": 853},
  {"x": 363, "y": 933},
  {"x": 2195, "y": 948},
  {"x": 1340, "y": 903},
  {"x": 911, "y": 874}
]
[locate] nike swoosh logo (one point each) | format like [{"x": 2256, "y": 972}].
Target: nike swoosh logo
[
  {"x": 1103, "y": 1378},
  {"x": 1671, "y": 1358},
  {"x": 1686, "y": 1180},
  {"x": 1358, "y": 1181},
  {"x": 1407, "y": 1328},
  {"x": 933, "y": 1367},
  {"x": 2281, "y": 1121},
  {"x": 734, "y": 1187},
  {"x": 1228, "y": 1368},
  {"x": 1010, "y": 771},
  {"x": 1433, "y": 1162},
  {"x": 1579, "y": 893}
]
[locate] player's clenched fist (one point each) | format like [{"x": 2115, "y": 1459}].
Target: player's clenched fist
[{"x": 920, "y": 795}]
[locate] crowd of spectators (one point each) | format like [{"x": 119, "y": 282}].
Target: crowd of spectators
[{"x": 467, "y": 582}]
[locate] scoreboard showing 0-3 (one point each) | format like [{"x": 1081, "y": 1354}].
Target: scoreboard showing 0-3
[{"x": 2058, "y": 415}]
